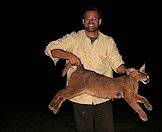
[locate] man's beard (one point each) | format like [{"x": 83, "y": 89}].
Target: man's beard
[{"x": 91, "y": 29}]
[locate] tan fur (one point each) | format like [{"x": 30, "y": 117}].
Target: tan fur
[{"x": 92, "y": 83}]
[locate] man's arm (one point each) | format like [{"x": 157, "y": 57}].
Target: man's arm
[
  {"x": 58, "y": 53},
  {"x": 123, "y": 69}
]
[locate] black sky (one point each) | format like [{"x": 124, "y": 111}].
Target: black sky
[{"x": 29, "y": 26}]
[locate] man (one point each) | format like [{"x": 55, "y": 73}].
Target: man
[{"x": 97, "y": 52}]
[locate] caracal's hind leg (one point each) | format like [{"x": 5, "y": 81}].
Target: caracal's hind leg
[
  {"x": 143, "y": 100},
  {"x": 61, "y": 96},
  {"x": 57, "y": 101},
  {"x": 133, "y": 103}
]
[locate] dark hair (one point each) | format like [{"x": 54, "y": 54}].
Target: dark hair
[{"x": 91, "y": 8}]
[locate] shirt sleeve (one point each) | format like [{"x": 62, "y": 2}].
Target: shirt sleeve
[
  {"x": 65, "y": 43},
  {"x": 115, "y": 58}
]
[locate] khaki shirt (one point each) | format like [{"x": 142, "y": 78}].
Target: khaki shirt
[{"x": 101, "y": 56}]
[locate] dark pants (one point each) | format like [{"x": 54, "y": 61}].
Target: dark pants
[{"x": 94, "y": 118}]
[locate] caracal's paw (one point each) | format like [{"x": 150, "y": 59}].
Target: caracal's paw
[
  {"x": 143, "y": 116},
  {"x": 53, "y": 108},
  {"x": 150, "y": 108}
]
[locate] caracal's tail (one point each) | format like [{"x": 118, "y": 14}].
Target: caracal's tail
[{"x": 66, "y": 68}]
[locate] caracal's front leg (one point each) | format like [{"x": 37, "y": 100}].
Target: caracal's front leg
[
  {"x": 132, "y": 101},
  {"x": 143, "y": 100}
]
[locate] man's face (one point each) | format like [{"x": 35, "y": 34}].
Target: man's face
[{"x": 91, "y": 21}]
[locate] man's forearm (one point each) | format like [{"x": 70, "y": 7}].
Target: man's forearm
[
  {"x": 58, "y": 53},
  {"x": 121, "y": 69}
]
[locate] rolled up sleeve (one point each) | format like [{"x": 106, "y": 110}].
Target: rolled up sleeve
[
  {"x": 115, "y": 58},
  {"x": 64, "y": 43}
]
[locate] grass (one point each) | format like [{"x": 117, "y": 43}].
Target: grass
[{"x": 40, "y": 119}]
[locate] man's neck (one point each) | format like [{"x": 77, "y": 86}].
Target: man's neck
[{"x": 92, "y": 34}]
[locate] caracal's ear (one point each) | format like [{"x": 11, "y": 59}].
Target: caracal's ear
[{"x": 142, "y": 69}]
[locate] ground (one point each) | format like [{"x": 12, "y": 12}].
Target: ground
[{"x": 38, "y": 118}]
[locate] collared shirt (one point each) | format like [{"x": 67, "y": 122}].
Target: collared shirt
[{"x": 101, "y": 56}]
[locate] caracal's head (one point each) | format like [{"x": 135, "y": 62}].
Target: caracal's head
[{"x": 140, "y": 75}]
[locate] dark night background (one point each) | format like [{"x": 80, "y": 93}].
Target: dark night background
[{"x": 29, "y": 78}]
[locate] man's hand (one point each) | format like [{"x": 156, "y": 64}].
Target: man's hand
[
  {"x": 129, "y": 70},
  {"x": 74, "y": 60},
  {"x": 122, "y": 69}
]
